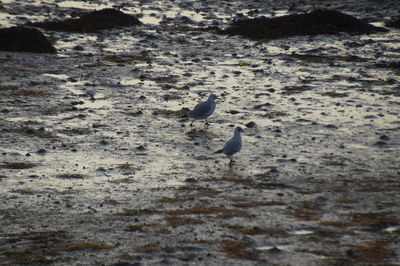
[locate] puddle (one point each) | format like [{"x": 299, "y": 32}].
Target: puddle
[
  {"x": 301, "y": 231},
  {"x": 150, "y": 18},
  {"x": 153, "y": 17},
  {"x": 83, "y": 5},
  {"x": 57, "y": 76},
  {"x": 391, "y": 229},
  {"x": 267, "y": 247}
]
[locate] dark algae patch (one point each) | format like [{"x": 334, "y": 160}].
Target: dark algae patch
[
  {"x": 73, "y": 246},
  {"x": 94, "y": 21},
  {"x": 178, "y": 221},
  {"x": 70, "y": 176},
  {"x": 239, "y": 249},
  {"x": 320, "y": 21},
  {"x": 16, "y": 165}
]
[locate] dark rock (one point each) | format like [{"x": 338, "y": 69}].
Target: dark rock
[
  {"x": 24, "y": 39},
  {"x": 351, "y": 253},
  {"x": 233, "y": 112},
  {"x": 104, "y": 142},
  {"x": 260, "y": 106},
  {"x": 94, "y": 21},
  {"x": 126, "y": 264},
  {"x": 77, "y": 102},
  {"x": 191, "y": 180},
  {"x": 140, "y": 148},
  {"x": 251, "y": 125},
  {"x": 393, "y": 23},
  {"x": 41, "y": 151},
  {"x": 382, "y": 225},
  {"x": 78, "y": 48},
  {"x": 391, "y": 65},
  {"x": 274, "y": 250},
  {"x": 380, "y": 143},
  {"x": 320, "y": 21},
  {"x": 273, "y": 171},
  {"x": 384, "y": 137},
  {"x": 331, "y": 126}
]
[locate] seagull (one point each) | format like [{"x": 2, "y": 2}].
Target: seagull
[
  {"x": 203, "y": 110},
  {"x": 233, "y": 145}
]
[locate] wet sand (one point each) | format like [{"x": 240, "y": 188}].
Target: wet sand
[{"x": 97, "y": 167}]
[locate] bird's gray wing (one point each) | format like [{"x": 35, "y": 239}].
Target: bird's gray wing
[
  {"x": 200, "y": 109},
  {"x": 232, "y": 146}
]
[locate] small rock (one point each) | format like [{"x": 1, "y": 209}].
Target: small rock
[
  {"x": 191, "y": 180},
  {"x": 273, "y": 171},
  {"x": 274, "y": 250},
  {"x": 251, "y": 125},
  {"x": 382, "y": 225},
  {"x": 104, "y": 142},
  {"x": 234, "y": 112},
  {"x": 384, "y": 138},
  {"x": 41, "y": 151},
  {"x": 380, "y": 143},
  {"x": 78, "y": 48},
  {"x": 140, "y": 148},
  {"x": 351, "y": 253},
  {"x": 260, "y": 106},
  {"x": 331, "y": 126},
  {"x": 77, "y": 102}
]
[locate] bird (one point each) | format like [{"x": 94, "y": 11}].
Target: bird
[
  {"x": 233, "y": 145},
  {"x": 203, "y": 110}
]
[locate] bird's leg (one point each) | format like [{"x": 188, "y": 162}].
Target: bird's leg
[
  {"x": 192, "y": 122},
  {"x": 207, "y": 122},
  {"x": 230, "y": 159}
]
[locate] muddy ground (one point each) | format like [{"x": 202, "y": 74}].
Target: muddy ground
[{"x": 97, "y": 167}]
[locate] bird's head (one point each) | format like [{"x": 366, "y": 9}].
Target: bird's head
[
  {"x": 212, "y": 96},
  {"x": 239, "y": 129}
]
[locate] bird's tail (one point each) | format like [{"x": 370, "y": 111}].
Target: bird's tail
[
  {"x": 219, "y": 151},
  {"x": 185, "y": 115}
]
